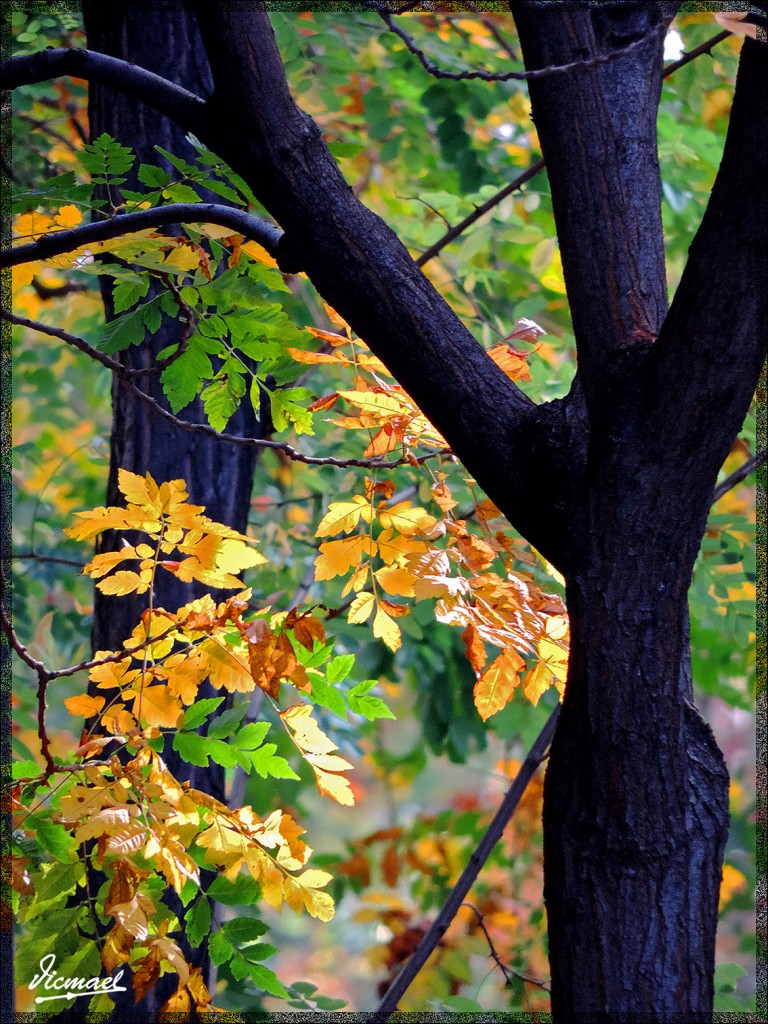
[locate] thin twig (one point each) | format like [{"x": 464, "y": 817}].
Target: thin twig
[
  {"x": 508, "y": 972},
  {"x": 690, "y": 55},
  {"x": 745, "y": 469},
  {"x": 476, "y": 214},
  {"x": 200, "y": 428},
  {"x": 506, "y": 76},
  {"x": 494, "y": 832},
  {"x": 55, "y": 559}
]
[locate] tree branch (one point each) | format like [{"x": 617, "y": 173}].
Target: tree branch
[
  {"x": 738, "y": 475},
  {"x": 362, "y": 269},
  {"x": 504, "y": 76},
  {"x": 58, "y": 242},
  {"x": 697, "y": 51},
  {"x": 508, "y": 973},
  {"x": 172, "y": 100},
  {"x": 480, "y": 211},
  {"x": 597, "y": 129},
  {"x": 703, "y": 370},
  {"x": 200, "y": 428},
  {"x": 494, "y": 832}
]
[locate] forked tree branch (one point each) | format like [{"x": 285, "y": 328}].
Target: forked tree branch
[{"x": 56, "y": 243}]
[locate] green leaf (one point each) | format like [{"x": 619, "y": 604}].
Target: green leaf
[
  {"x": 251, "y": 735},
  {"x": 269, "y": 765},
  {"x": 254, "y": 952},
  {"x": 285, "y": 411},
  {"x": 326, "y": 696},
  {"x": 188, "y": 170},
  {"x": 339, "y": 668},
  {"x": 192, "y": 748},
  {"x": 227, "y": 722},
  {"x": 223, "y": 190},
  {"x": 328, "y": 1005},
  {"x": 244, "y": 930},
  {"x": 198, "y": 921},
  {"x": 220, "y": 949},
  {"x": 106, "y": 158},
  {"x": 181, "y": 380},
  {"x": 244, "y": 891},
  {"x": 220, "y": 752},
  {"x": 221, "y": 399},
  {"x": 179, "y": 193},
  {"x": 153, "y": 176},
  {"x": 128, "y": 291},
  {"x": 52, "y": 837},
  {"x": 362, "y": 704},
  {"x": 122, "y": 332},
  {"x": 262, "y": 977},
  {"x": 461, "y": 1004},
  {"x": 197, "y": 713}
]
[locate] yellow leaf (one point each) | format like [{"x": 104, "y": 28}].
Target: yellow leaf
[
  {"x": 156, "y": 705},
  {"x": 125, "y": 582},
  {"x": 84, "y": 705},
  {"x": 343, "y": 516},
  {"x": 406, "y": 519},
  {"x": 307, "y": 733},
  {"x": 386, "y": 629},
  {"x": 334, "y": 786},
  {"x": 302, "y": 893},
  {"x": 361, "y": 608},
  {"x": 537, "y": 682},
  {"x": 496, "y": 685},
  {"x": 393, "y": 547},
  {"x": 68, "y": 217},
  {"x": 337, "y": 557},
  {"x": 733, "y": 881},
  {"x": 373, "y": 402},
  {"x": 101, "y": 564},
  {"x": 395, "y": 580},
  {"x": 225, "y": 667}
]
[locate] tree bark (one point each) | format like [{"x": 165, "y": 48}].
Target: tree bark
[
  {"x": 636, "y": 791},
  {"x": 164, "y": 39}
]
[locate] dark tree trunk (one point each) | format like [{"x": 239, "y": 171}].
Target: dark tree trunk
[{"x": 162, "y": 38}]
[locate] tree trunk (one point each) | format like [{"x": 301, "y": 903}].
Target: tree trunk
[
  {"x": 635, "y": 801},
  {"x": 162, "y": 38}
]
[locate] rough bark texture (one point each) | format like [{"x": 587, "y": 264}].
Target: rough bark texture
[
  {"x": 636, "y": 792},
  {"x": 162, "y": 38}
]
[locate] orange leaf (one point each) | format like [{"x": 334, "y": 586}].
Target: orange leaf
[
  {"x": 496, "y": 685},
  {"x": 474, "y": 648},
  {"x": 390, "y": 866},
  {"x": 84, "y": 705}
]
